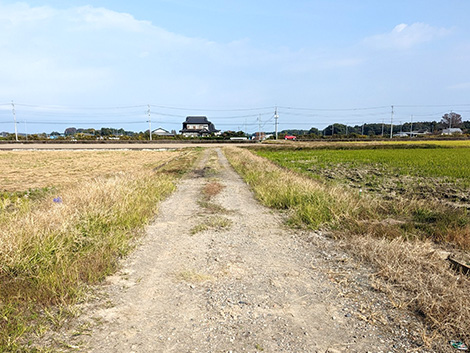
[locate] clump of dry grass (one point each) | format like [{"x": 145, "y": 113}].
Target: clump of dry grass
[
  {"x": 212, "y": 207},
  {"x": 459, "y": 236},
  {"x": 212, "y": 189},
  {"x": 413, "y": 219},
  {"x": 414, "y": 276},
  {"x": 213, "y": 162},
  {"x": 215, "y": 222},
  {"x": 49, "y": 251}
]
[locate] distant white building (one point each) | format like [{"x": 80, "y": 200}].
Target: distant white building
[
  {"x": 161, "y": 132},
  {"x": 452, "y": 131},
  {"x": 411, "y": 134},
  {"x": 401, "y": 134}
]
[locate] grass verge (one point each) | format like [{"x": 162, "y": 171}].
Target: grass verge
[
  {"x": 393, "y": 236},
  {"x": 423, "y": 191},
  {"x": 50, "y": 251},
  {"x": 307, "y": 202}
]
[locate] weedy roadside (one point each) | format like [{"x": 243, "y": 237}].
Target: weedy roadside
[
  {"x": 421, "y": 193},
  {"x": 50, "y": 251},
  {"x": 401, "y": 239}
]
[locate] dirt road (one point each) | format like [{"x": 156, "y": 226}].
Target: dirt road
[{"x": 247, "y": 285}]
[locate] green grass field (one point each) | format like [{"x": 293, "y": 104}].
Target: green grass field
[{"x": 450, "y": 163}]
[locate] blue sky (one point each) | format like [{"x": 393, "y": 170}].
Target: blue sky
[{"x": 100, "y": 63}]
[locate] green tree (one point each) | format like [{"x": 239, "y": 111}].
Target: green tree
[{"x": 70, "y": 131}]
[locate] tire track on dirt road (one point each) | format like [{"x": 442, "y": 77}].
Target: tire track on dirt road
[{"x": 251, "y": 287}]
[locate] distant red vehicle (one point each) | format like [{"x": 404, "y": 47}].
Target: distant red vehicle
[{"x": 289, "y": 137}]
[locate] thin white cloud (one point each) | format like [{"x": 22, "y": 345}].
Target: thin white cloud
[
  {"x": 16, "y": 14},
  {"x": 88, "y": 55},
  {"x": 99, "y": 18},
  {"x": 87, "y": 48},
  {"x": 405, "y": 36}
]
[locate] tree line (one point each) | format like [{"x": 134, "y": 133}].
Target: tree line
[
  {"x": 450, "y": 120},
  {"x": 337, "y": 130}
]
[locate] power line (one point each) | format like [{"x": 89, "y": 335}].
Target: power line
[
  {"x": 133, "y": 114},
  {"x": 83, "y": 122},
  {"x": 63, "y": 107},
  {"x": 335, "y": 116},
  {"x": 55, "y": 107},
  {"x": 433, "y": 105},
  {"x": 333, "y": 109},
  {"x": 211, "y": 109}
]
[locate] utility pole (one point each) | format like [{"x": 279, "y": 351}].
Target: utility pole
[
  {"x": 391, "y": 124},
  {"x": 450, "y": 120},
  {"x": 362, "y": 132},
  {"x": 259, "y": 127},
  {"x": 411, "y": 128},
  {"x": 150, "y": 122},
  {"x": 383, "y": 124},
  {"x": 25, "y": 130},
  {"x": 14, "y": 119},
  {"x": 276, "y": 117},
  {"x": 332, "y": 129}
]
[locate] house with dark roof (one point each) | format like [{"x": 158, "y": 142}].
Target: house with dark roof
[{"x": 198, "y": 126}]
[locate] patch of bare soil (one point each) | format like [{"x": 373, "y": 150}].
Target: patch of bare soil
[
  {"x": 250, "y": 287},
  {"x": 379, "y": 180}
]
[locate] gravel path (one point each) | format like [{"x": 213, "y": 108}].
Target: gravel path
[{"x": 250, "y": 287}]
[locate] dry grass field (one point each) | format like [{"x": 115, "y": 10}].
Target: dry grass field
[
  {"x": 23, "y": 170},
  {"x": 66, "y": 217}
]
